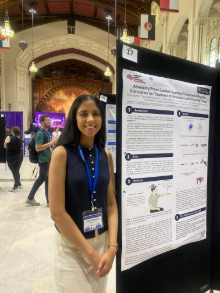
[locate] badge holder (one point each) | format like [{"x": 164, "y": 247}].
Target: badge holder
[{"x": 92, "y": 220}]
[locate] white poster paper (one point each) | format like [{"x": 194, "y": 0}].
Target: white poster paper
[
  {"x": 111, "y": 131},
  {"x": 165, "y": 129}
]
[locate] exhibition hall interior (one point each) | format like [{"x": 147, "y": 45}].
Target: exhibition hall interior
[{"x": 51, "y": 52}]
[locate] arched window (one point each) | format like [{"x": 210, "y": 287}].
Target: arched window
[
  {"x": 218, "y": 48},
  {"x": 212, "y": 52},
  {"x": 206, "y": 53}
]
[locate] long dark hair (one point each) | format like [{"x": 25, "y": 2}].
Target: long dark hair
[{"x": 71, "y": 134}]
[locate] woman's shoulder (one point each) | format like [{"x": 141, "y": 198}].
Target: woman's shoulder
[
  {"x": 108, "y": 153},
  {"x": 59, "y": 153}
]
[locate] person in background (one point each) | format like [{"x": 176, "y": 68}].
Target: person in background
[
  {"x": 42, "y": 146},
  {"x": 7, "y": 131},
  {"x": 82, "y": 201},
  {"x": 14, "y": 155},
  {"x": 56, "y": 132}
]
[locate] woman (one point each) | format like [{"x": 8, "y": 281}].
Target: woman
[
  {"x": 14, "y": 155},
  {"x": 82, "y": 201},
  {"x": 56, "y": 132}
]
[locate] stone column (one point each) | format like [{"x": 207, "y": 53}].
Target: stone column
[
  {"x": 199, "y": 41},
  {"x": 191, "y": 31},
  {"x": 114, "y": 81},
  {"x": 172, "y": 49},
  {"x": 22, "y": 92},
  {"x": 2, "y": 81},
  {"x": 164, "y": 21}
]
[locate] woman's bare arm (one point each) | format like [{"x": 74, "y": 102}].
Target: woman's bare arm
[
  {"x": 7, "y": 140},
  {"x": 106, "y": 262},
  {"x": 112, "y": 210}
]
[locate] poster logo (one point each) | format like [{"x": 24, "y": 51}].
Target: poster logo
[
  {"x": 202, "y": 90},
  {"x": 129, "y": 77},
  {"x": 135, "y": 78}
]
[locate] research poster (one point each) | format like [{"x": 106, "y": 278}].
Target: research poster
[
  {"x": 111, "y": 131},
  {"x": 165, "y": 130}
]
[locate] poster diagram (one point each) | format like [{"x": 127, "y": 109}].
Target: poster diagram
[
  {"x": 165, "y": 130},
  {"x": 111, "y": 131}
]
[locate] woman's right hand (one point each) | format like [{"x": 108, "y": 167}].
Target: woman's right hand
[{"x": 95, "y": 259}]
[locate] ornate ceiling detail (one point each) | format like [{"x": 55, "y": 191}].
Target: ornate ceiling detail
[
  {"x": 74, "y": 43},
  {"x": 91, "y": 12}
]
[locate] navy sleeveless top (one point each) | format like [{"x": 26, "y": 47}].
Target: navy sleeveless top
[{"x": 77, "y": 191}]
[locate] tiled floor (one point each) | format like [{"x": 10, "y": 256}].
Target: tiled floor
[{"x": 26, "y": 239}]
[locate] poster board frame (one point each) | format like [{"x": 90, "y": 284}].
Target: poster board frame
[{"x": 188, "y": 268}]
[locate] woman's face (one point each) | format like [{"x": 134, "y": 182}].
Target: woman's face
[
  {"x": 88, "y": 117},
  {"x": 57, "y": 129}
]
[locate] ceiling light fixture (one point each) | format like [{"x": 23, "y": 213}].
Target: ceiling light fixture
[
  {"x": 32, "y": 8},
  {"x": 108, "y": 14},
  {"x": 33, "y": 67},
  {"x": 23, "y": 45},
  {"x": 125, "y": 38},
  {"x": 6, "y": 28},
  {"x": 108, "y": 71}
]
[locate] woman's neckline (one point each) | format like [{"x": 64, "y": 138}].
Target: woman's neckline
[{"x": 82, "y": 147}]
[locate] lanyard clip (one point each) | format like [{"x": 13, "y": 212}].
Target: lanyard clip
[{"x": 93, "y": 208}]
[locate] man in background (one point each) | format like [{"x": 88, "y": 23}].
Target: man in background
[
  {"x": 42, "y": 146},
  {"x": 7, "y": 131}
]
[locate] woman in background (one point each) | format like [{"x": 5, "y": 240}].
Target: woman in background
[
  {"x": 14, "y": 155},
  {"x": 56, "y": 132}
]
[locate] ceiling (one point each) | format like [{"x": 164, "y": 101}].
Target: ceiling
[{"x": 89, "y": 12}]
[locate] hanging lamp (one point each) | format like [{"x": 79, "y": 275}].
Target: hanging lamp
[
  {"x": 33, "y": 66},
  {"x": 6, "y": 27},
  {"x": 125, "y": 38},
  {"x": 113, "y": 50},
  {"x": 23, "y": 45},
  {"x": 108, "y": 71}
]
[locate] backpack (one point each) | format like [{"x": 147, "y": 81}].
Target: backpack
[{"x": 33, "y": 154}]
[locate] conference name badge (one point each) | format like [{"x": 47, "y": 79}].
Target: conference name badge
[{"x": 92, "y": 220}]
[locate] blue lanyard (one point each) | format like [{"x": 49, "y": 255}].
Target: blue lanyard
[{"x": 92, "y": 183}]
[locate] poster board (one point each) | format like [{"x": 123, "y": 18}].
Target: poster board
[
  {"x": 109, "y": 104},
  {"x": 188, "y": 268}
]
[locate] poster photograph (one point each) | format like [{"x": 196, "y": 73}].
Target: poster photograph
[{"x": 165, "y": 131}]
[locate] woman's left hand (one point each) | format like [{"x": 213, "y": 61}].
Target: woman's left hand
[{"x": 106, "y": 262}]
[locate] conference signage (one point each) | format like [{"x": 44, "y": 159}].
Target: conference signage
[
  {"x": 148, "y": 27},
  {"x": 169, "y": 5},
  {"x": 4, "y": 42}
]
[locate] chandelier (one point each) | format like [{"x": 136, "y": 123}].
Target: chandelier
[
  {"x": 6, "y": 28},
  {"x": 125, "y": 38},
  {"x": 108, "y": 72},
  {"x": 33, "y": 67},
  {"x": 23, "y": 45}
]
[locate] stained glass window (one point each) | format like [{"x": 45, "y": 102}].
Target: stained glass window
[{"x": 212, "y": 53}]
